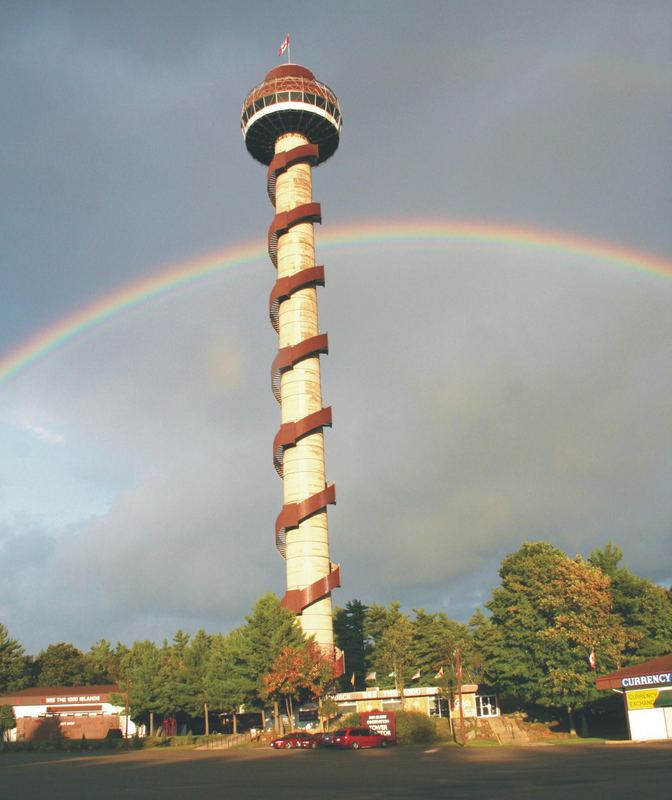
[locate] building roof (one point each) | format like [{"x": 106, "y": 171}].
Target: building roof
[
  {"x": 654, "y": 666},
  {"x": 36, "y": 695}
]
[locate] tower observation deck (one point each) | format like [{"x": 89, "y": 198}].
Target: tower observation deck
[{"x": 291, "y": 122}]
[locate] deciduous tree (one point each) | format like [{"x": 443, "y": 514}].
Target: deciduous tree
[
  {"x": 644, "y": 608},
  {"x": 60, "y": 664},
  {"x": 547, "y": 615}
]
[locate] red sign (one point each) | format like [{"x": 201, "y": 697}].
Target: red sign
[{"x": 383, "y": 722}]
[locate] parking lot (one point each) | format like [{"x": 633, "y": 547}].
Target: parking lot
[{"x": 579, "y": 771}]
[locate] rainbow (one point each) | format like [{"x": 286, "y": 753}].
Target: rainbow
[{"x": 406, "y": 231}]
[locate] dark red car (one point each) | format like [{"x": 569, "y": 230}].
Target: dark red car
[
  {"x": 296, "y": 739},
  {"x": 354, "y": 738}
]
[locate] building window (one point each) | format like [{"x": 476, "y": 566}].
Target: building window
[{"x": 486, "y": 705}]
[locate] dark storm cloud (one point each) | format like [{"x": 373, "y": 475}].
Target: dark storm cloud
[{"x": 482, "y": 395}]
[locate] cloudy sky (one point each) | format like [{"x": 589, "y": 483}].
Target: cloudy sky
[{"x": 484, "y": 393}]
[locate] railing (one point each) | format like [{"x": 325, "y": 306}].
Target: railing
[{"x": 223, "y": 741}]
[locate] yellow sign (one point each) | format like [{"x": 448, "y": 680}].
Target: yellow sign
[{"x": 642, "y": 698}]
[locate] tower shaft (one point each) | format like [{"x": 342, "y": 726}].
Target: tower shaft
[{"x": 307, "y": 547}]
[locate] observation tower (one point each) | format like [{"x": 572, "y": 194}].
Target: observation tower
[{"x": 291, "y": 123}]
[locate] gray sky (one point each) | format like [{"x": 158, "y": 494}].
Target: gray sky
[{"x": 483, "y": 393}]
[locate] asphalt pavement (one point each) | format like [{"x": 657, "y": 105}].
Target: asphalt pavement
[{"x": 627, "y": 771}]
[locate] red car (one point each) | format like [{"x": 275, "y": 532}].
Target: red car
[
  {"x": 296, "y": 739},
  {"x": 354, "y": 738}
]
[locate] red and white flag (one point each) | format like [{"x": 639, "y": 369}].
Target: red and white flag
[
  {"x": 283, "y": 46},
  {"x": 591, "y": 659}
]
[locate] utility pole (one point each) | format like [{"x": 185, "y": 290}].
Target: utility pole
[
  {"x": 128, "y": 688},
  {"x": 458, "y": 672}
]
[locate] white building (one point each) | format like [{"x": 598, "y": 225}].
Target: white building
[
  {"x": 69, "y": 711},
  {"x": 476, "y": 701},
  {"x": 647, "y": 695}
]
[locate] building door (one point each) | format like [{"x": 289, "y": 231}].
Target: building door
[{"x": 486, "y": 705}]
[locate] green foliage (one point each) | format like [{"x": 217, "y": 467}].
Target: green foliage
[
  {"x": 103, "y": 663},
  {"x": 442, "y": 729},
  {"x": 146, "y": 676},
  {"x": 328, "y": 710},
  {"x": 60, "y": 664},
  {"x": 186, "y": 671},
  {"x": 268, "y": 630},
  {"x": 413, "y": 727},
  {"x": 435, "y": 639},
  {"x": 547, "y": 614},
  {"x": 644, "y": 608},
  {"x": 350, "y": 720},
  {"x": 224, "y": 685},
  {"x": 14, "y": 665},
  {"x": 349, "y": 634},
  {"x": 7, "y": 721},
  {"x": 390, "y": 634}
]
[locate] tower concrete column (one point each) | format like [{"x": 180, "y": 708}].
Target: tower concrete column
[
  {"x": 291, "y": 122},
  {"x": 307, "y": 553}
]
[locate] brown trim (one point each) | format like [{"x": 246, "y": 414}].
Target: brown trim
[
  {"x": 288, "y": 356},
  {"x": 654, "y": 666},
  {"x": 290, "y": 433},
  {"x": 285, "y": 288},
  {"x": 282, "y": 222},
  {"x": 293, "y": 514},
  {"x": 283, "y": 161},
  {"x": 298, "y": 599},
  {"x": 61, "y": 709}
]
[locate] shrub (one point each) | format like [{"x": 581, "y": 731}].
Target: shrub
[
  {"x": 442, "y": 729},
  {"x": 413, "y": 727}
]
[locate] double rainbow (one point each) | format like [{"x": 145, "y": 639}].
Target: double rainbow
[{"x": 406, "y": 231}]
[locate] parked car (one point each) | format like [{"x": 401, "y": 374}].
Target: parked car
[
  {"x": 296, "y": 739},
  {"x": 354, "y": 738}
]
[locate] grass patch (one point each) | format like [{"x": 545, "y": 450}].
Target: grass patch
[{"x": 576, "y": 740}]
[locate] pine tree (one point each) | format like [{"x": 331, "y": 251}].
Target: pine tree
[
  {"x": 349, "y": 634},
  {"x": 14, "y": 664}
]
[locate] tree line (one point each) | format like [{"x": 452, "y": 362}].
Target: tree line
[{"x": 532, "y": 644}]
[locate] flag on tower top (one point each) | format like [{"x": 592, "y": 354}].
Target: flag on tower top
[
  {"x": 283, "y": 46},
  {"x": 439, "y": 674}
]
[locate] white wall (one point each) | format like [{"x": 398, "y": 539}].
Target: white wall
[{"x": 647, "y": 723}]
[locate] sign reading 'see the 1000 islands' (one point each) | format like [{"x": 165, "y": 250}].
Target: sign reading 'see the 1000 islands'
[{"x": 660, "y": 679}]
